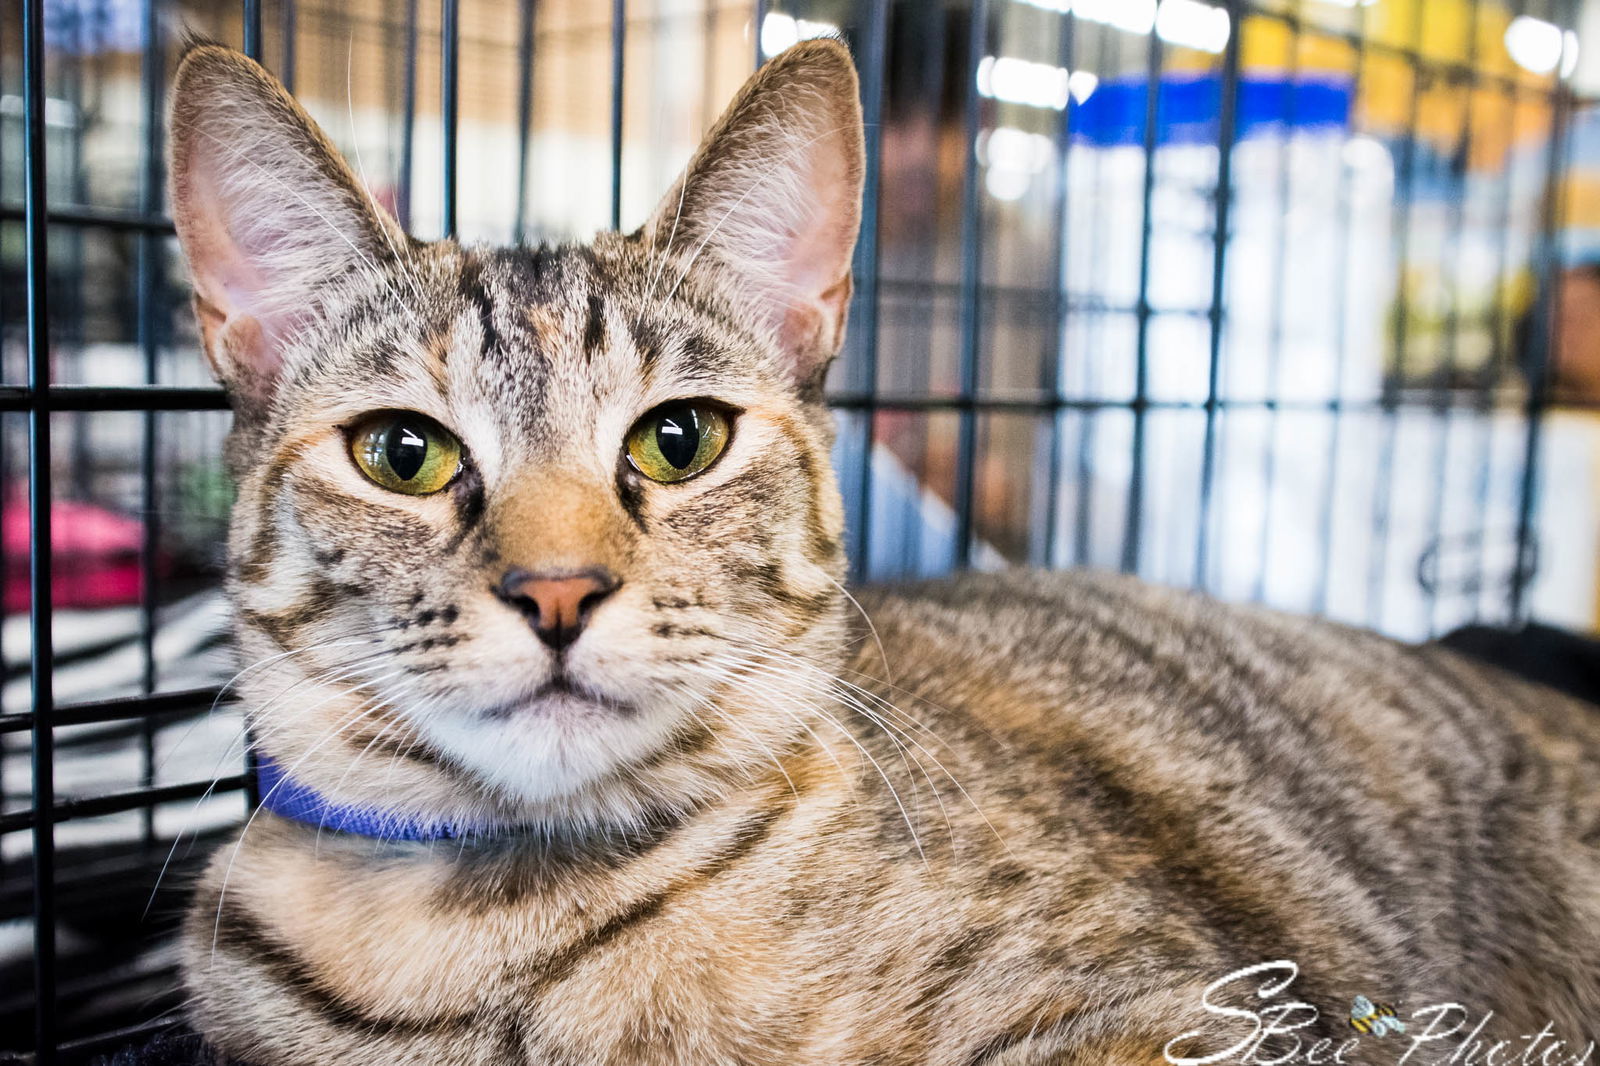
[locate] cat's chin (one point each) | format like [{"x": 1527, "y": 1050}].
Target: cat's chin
[{"x": 550, "y": 744}]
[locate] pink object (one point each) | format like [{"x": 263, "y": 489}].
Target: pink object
[{"x": 95, "y": 555}]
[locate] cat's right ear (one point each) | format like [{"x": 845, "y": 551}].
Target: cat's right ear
[
  {"x": 774, "y": 193},
  {"x": 268, "y": 214}
]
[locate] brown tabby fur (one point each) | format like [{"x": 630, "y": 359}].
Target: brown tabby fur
[{"x": 1019, "y": 818}]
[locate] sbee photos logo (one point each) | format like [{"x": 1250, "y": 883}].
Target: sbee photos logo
[{"x": 1442, "y": 1034}]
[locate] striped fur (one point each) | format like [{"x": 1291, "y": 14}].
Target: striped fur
[{"x": 1017, "y": 818}]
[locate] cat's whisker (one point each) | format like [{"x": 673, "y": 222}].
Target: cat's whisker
[
  {"x": 902, "y": 750},
  {"x": 724, "y": 677},
  {"x": 780, "y": 697},
  {"x": 228, "y": 754},
  {"x": 832, "y": 676},
  {"x": 244, "y": 736},
  {"x": 336, "y": 731},
  {"x": 872, "y": 628},
  {"x": 236, "y": 678},
  {"x": 893, "y": 732},
  {"x": 400, "y": 754},
  {"x": 250, "y": 821},
  {"x": 255, "y": 729},
  {"x": 771, "y": 755},
  {"x": 387, "y": 700},
  {"x": 826, "y": 748}
]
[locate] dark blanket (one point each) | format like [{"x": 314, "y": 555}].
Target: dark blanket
[
  {"x": 1550, "y": 656},
  {"x": 178, "y": 1047}
]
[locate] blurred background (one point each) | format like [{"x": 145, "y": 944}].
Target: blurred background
[{"x": 1296, "y": 301}]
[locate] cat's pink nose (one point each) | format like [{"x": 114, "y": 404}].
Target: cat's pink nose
[{"x": 557, "y": 605}]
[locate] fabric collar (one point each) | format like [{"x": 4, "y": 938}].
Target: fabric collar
[{"x": 288, "y": 798}]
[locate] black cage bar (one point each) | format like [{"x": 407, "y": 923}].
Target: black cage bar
[{"x": 947, "y": 433}]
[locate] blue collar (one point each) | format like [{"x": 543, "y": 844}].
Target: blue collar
[{"x": 288, "y": 798}]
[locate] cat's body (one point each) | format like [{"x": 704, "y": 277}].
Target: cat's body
[
  {"x": 1154, "y": 792},
  {"x": 719, "y": 815}
]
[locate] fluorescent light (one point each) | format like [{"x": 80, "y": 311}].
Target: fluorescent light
[
  {"x": 1367, "y": 155},
  {"x": 1569, "y": 54},
  {"x": 1020, "y": 81},
  {"x": 57, "y": 112},
  {"x": 1188, "y": 23},
  {"x": 1537, "y": 45},
  {"x": 1134, "y": 16},
  {"x": 1012, "y": 149},
  {"x": 1007, "y": 185},
  {"x": 1192, "y": 24},
  {"x": 1012, "y": 158},
  {"x": 1082, "y": 84},
  {"x": 779, "y": 31}
]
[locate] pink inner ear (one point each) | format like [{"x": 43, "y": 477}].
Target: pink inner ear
[
  {"x": 816, "y": 263},
  {"x": 254, "y": 362},
  {"x": 242, "y": 341},
  {"x": 819, "y": 254},
  {"x": 231, "y": 290}
]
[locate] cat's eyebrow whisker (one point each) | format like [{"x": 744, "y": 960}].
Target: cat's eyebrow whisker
[{"x": 665, "y": 253}]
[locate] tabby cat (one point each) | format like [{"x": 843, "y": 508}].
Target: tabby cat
[{"x": 577, "y": 751}]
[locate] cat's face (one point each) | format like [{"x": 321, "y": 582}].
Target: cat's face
[{"x": 548, "y": 532}]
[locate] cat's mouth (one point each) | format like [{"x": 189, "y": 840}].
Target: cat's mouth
[{"x": 559, "y": 694}]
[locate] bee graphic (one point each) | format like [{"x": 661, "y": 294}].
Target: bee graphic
[{"x": 1376, "y": 1018}]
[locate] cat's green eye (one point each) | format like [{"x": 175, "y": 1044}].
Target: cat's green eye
[
  {"x": 405, "y": 452},
  {"x": 677, "y": 441}
]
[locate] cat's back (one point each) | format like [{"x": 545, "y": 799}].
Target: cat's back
[
  {"x": 1299, "y": 789},
  {"x": 1046, "y": 651}
]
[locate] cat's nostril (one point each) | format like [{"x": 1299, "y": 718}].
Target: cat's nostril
[{"x": 557, "y": 604}]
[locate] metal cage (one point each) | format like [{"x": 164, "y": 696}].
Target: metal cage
[{"x": 1105, "y": 247}]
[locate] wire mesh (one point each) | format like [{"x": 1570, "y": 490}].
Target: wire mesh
[{"x": 999, "y": 400}]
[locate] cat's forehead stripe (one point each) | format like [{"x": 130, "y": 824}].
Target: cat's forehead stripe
[
  {"x": 594, "y": 328},
  {"x": 477, "y": 296}
]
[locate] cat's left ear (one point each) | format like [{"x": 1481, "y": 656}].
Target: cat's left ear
[{"x": 774, "y": 195}]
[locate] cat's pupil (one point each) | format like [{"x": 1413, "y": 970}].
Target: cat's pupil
[
  {"x": 405, "y": 450},
  {"x": 678, "y": 437}
]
